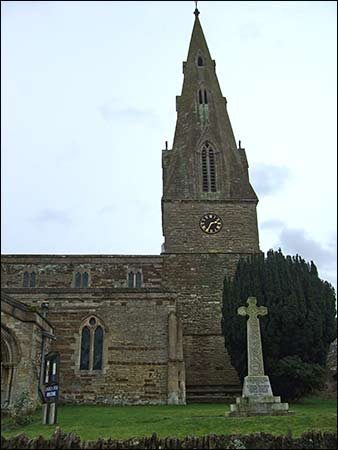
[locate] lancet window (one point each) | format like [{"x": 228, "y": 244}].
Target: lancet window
[
  {"x": 81, "y": 279},
  {"x": 208, "y": 168},
  {"x": 29, "y": 279},
  {"x": 202, "y": 97},
  {"x": 134, "y": 279}
]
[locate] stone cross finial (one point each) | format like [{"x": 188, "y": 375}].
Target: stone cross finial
[{"x": 255, "y": 354}]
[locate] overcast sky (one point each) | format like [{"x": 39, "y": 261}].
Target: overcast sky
[{"x": 88, "y": 100}]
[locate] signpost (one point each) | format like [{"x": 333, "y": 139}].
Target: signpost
[{"x": 51, "y": 388}]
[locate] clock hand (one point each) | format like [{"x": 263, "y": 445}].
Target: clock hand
[{"x": 210, "y": 225}]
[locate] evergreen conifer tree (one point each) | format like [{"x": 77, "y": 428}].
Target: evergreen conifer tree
[{"x": 298, "y": 329}]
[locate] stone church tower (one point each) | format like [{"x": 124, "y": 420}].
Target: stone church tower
[
  {"x": 145, "y": 329},
  {"x": 209, "y": 217}
]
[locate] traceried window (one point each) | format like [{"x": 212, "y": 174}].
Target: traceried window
[
  {"x": 29, "y": 279},
  {"x": 208, "y": 168},
  {"x": 134, "y": 279},
  {"x": 91, "y": 353},
  {"x": 81, "y": 279}
]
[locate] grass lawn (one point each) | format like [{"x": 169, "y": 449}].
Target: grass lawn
[{"x": 122, "y": 422}]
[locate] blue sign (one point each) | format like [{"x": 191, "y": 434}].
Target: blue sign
[{"x": 52, "y": 392}]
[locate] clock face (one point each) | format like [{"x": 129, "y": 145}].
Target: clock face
[{"x": 211, "y": 223}]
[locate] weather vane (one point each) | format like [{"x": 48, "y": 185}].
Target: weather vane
[{"x": 196, "y": 12}]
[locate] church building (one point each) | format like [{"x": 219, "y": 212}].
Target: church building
[{"x": 144, "y": 329}]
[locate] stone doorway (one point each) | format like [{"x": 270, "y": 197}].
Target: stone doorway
[{"x": 9, "y": 362}]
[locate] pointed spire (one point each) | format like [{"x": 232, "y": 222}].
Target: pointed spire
[
  {"x": 198, "y": 41},
  {"x": 202, "y": 117}
]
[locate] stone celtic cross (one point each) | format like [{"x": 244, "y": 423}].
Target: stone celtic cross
[{"x": 255, "y": 354}]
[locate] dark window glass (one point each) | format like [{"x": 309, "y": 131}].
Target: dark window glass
[
  {"x": 212, "y": 170},
  {"x": 208, "y": 169},
  {"x": 25, "y": 279},
  {"x": 200, "y": 61},
  {"x": 205, "y": 171},
  {"x": 85, "y": 346},
  {"x": 98, "y": 344},
  {"x": 78, "y": 280},
  {"x": 138, "y": 279},
  {"x": 32, "y": 279},
  {"x": 200, "y": 98},
  {"x": 131, "y": 279},
  {"x": 85, "y": 279},
  {"x": 92, "y": 321},
  {"x": 205, "y": 97}
]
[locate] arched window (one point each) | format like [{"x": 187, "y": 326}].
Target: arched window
[
  {"x": 200, "y": 61},
  {"x": 77, "y": 280},
  {"x": 85, "y": 349},
  {"x": 25, "y": 279},
  {"x": 202, "y": 97},
  {"x": 131, "y": 279},
  {"x": 81, "y": 279},
  {"x": 138, "y": 279},
  {"x": 205, "y": 97},
  {"x": 135, "y": 279},
  {"x": 98, "y": 347},
  {"x": 85, "y": 279},
  {"x": 91, "y": 357},
  {"x": 29, "y": 279},
  {"x": 208, "y": 168},
  {"x": 32, "y": 279}
]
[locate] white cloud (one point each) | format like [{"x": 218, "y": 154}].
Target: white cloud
[{"x": 268, "y": 179}]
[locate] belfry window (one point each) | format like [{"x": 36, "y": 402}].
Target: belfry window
[
  {"x": 81, "y": 279},
  {"x": 91, "y": 353},
  {"x": 134, "y": 279},
  {"x": 202, "y": 97},
  {"x": 208, "y": 168},
  {"x": 29, "y": 279}
]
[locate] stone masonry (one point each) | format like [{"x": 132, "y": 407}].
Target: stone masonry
[{"x": 162, "y": 340}]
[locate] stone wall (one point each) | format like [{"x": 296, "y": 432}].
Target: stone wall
[
  {"x": 135, "y": 321},
  {"x": 239, "y": 233},
  {"x": 198, "y": 281},
  {"x": 21, "y": 336},
  {"x": 58, "y": 271},
  {"x": 135, "y": 353},
  {"x": 310, "y": 440}
]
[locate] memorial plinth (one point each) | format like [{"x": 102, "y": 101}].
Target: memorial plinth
[{"x": 257, "y": 397}]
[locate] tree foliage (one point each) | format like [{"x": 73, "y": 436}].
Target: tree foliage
[{"x": 298, "y": 329}]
